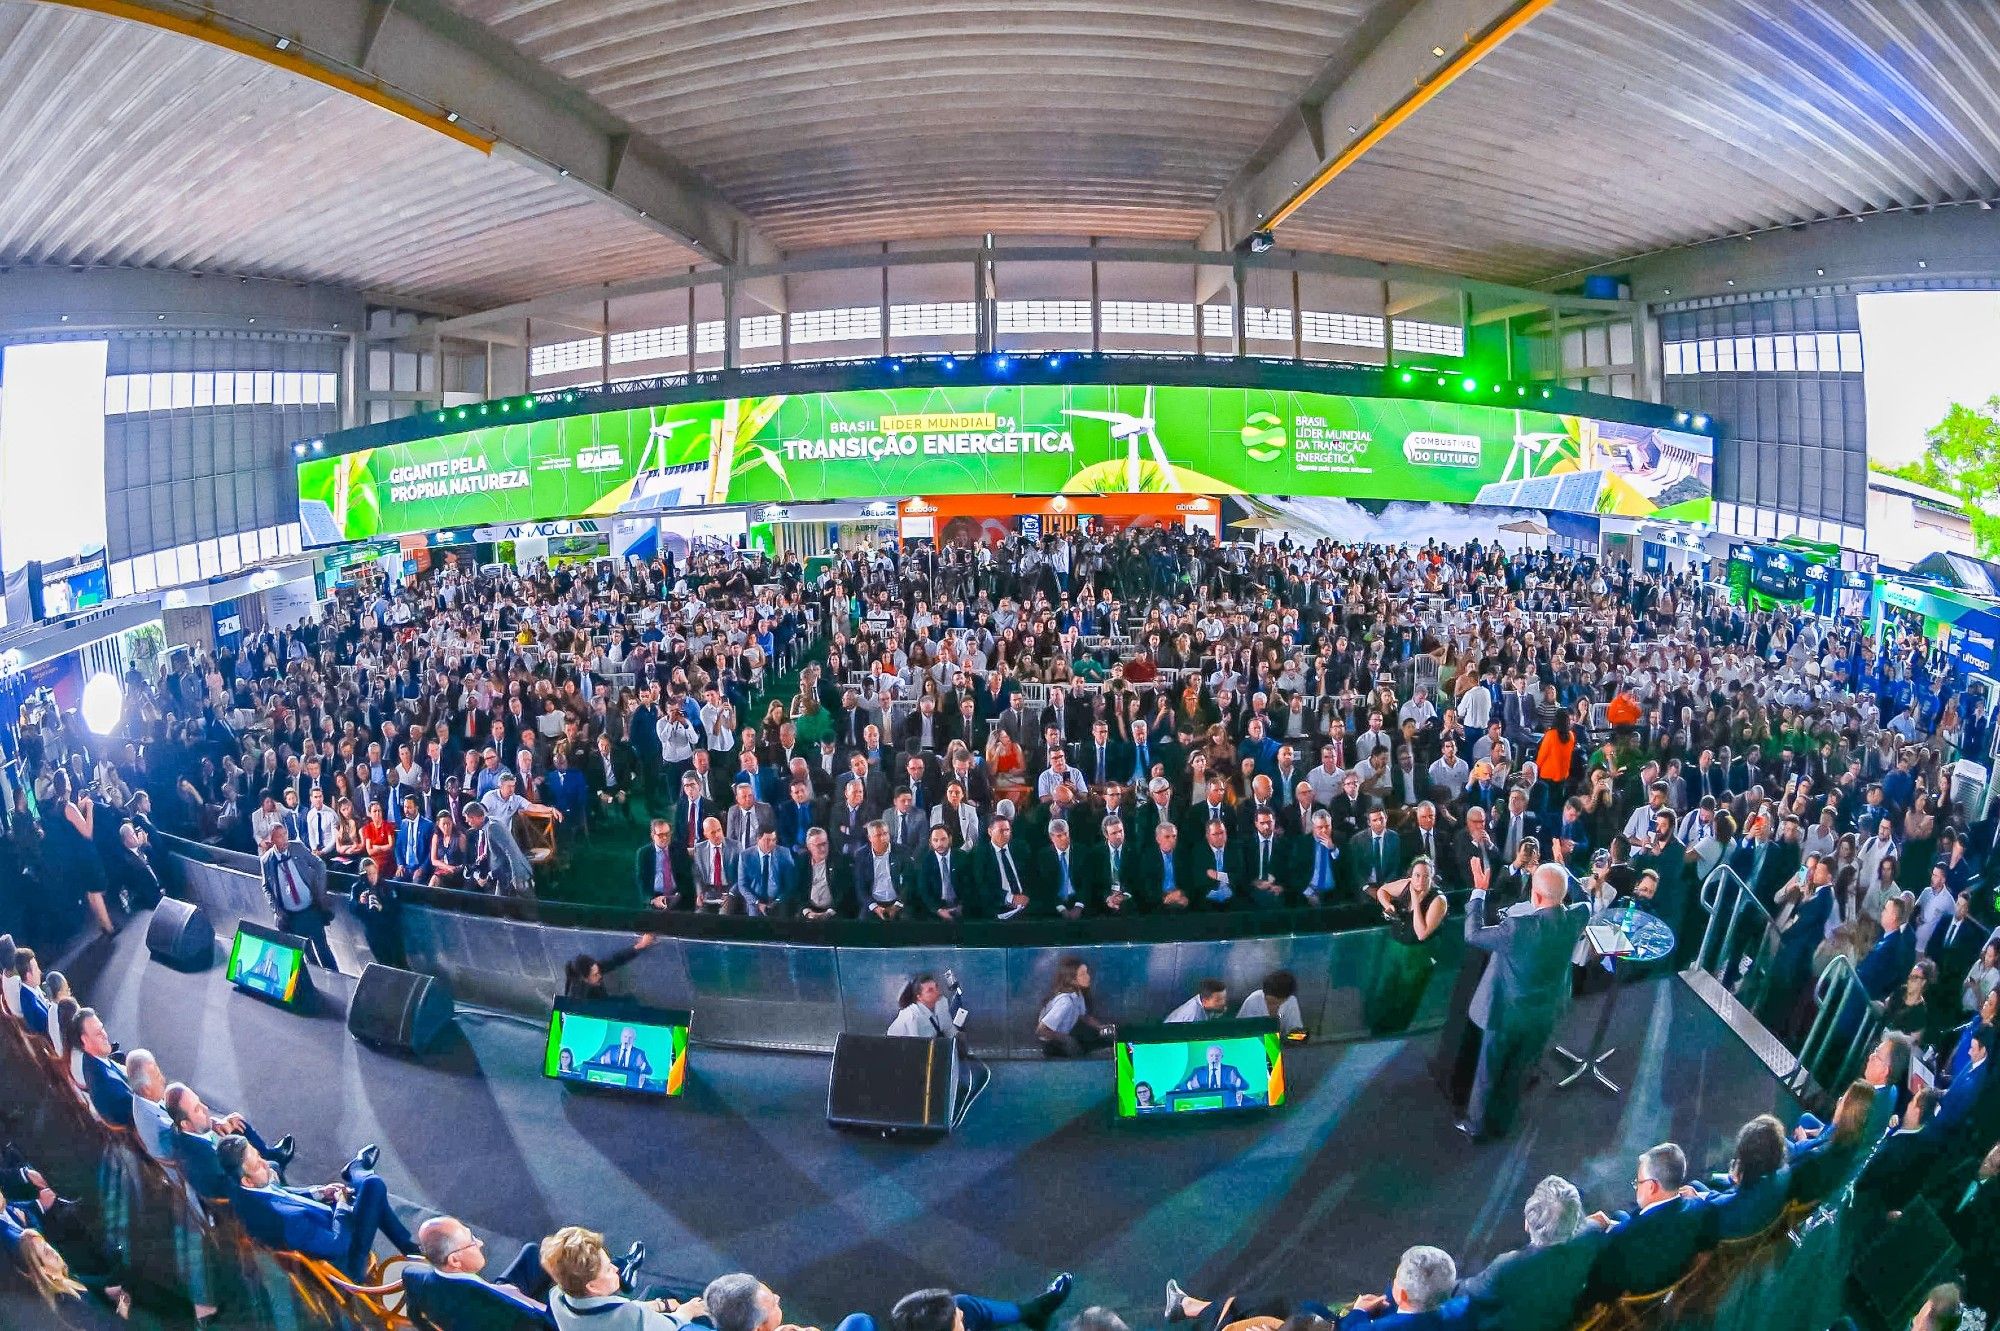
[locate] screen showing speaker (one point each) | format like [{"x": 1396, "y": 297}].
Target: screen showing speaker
[
  {"x": 266, "y": 962},
  {"x": 1199, "y": 1068},
  {"x": 618, "y": 1045}
]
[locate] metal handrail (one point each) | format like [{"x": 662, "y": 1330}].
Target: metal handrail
[
  {"x": 1711, "y": 958},
  {"x": 1837, "y": 984}
]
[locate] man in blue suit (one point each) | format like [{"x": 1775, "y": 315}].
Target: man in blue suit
[
  {"x": 34, "y": 1010},
  {"x": 336, "y": 1223},
  {"x": 1955, "y": 1110},
  {"x": 1420, "y": 1299},
  {"x": 625, "y": 1056},
  {"x": 1649, "y": 1249},
  {"x": 1888, "y": 963},
  {"x": 567, "y": 792},
  {"x": 1791, "y": 967},
  {"x": 1214, "y": 1075},
  {"x": 1751, "y": 1198},
  {"x": 412, "y": 845},
  {"x": 104, "y": 1080},
  {"x": 196, "y": 1134},
  {"x": 448, "y": 1291},
  {"x": 763, "y": 876}
]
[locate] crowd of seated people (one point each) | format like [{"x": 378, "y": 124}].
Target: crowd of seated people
[
  {"x": 1574, "y": 1262},
  {"x": 1144, "y": 688}
]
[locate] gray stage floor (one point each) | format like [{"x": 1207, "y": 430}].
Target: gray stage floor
[{"x": 743, "y": 1174}]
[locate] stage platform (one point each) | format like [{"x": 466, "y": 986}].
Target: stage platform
[{"x": 742, "y": 1173}]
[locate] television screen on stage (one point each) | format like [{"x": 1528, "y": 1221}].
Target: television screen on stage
[
  {"x": 266, "y": 962},
  {"x": 618, "y": 1045},
  {"x": 1003, "y": 439},
  {"x": 1199, "y": 1068}
]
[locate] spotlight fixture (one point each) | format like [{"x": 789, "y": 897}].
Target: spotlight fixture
[
  {"x": 1680, "y": 418},
  {"x": 319, "y": 445},
  {"x": 1701, "y": 422},
  {"x": 1469, "y": 384},
  {"x": 1055, "y": 362},
  {"x": 1408, "y": 378}
]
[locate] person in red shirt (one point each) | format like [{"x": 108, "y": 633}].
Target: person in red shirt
[{"x": 378, "y": 839}]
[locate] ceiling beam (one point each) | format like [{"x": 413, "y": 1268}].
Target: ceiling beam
[
  {"x": 1406, "y": 53},
  {"x": 1517, "y": 310},
  {"x": 433, "y": 66}
]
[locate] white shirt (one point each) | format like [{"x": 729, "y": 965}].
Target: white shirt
[
  {"x": 1289, "y": 1017},
  {"x": 918, "y": 1022},
  {"x": 1192, "y": 1010},
  {"x": 1060, "y": 1013}
]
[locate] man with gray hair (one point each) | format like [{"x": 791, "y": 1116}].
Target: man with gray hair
[
  {"x": 1526, "y": 989},
  {"x": 1536, "y": 1288},
  {"x": 155, "y": 1129},
  {"x": 1424, "y": 1280},
  {"x": 1650, "y": 1248},
  {"x": 450, "y": 1290}
]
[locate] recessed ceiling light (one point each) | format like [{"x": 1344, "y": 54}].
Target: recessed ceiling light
[
  {"x": 1922, "y": 264},
  {"x": 284, "y": 43},
  {"x": 1437, "y": 50},
  {"x": 451, "y": 117}
]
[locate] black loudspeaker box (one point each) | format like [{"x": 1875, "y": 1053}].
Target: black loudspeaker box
[
  {"x": 890, "y": 1084},
  {"x": 399, "y": 1010},
  {"x": 1906, "y": 1259},
  {"x": 181, "y": 935}
]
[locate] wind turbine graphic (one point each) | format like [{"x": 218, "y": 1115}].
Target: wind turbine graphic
[
  {"x": 1526, "y": 446},
  {"x": 1131, "y": 429}
]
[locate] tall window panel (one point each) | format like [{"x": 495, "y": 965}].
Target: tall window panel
[
  {"x": 1783, "y": 376},
  {"x": 197, "y": 436}
]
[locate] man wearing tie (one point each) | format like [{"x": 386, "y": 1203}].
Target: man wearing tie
[
  {"x": 658, "y": 887},
  {"x": 1321, "y": 862},
  {"x": 1059, "y": 886},
  {"x": 713, "y": 867},
  {"x": 625, "y": 1056},
  {"x": 942, "y": 878},
  {"x": 1101, "y": 761},
  {"x": 1001, "y": 885},
  {"x": 1215, "y": 888},
  {"x": 296, "y": 884},
  {"x": 1262, "y": 867},
  {"x": 1215, "y": 1075},
  {"x": 850, "y": 825},
  {"x": 762, "y": 876},
  {"x": 747, "y": 819},
  {"x": 1111, "y": 863},
  {"x": 1374, "y": 856},
  {"x": 1425, "y": 836},
  {"x": 412, "y": 845},
  {"x": 321, "y": 824}
]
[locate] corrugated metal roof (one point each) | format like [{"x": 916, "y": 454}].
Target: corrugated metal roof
[
  {"x": 1605, "y": 128},
  {"x": 1614, "y": 127},
  {"x": 122, "y": 145},
  {"x": 835, "y": 121}
]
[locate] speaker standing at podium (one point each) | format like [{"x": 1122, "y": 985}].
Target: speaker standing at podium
[{"x": 923, "y": 1016}]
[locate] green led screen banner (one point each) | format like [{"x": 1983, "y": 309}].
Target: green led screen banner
[{"x": 1005, "y": 439}]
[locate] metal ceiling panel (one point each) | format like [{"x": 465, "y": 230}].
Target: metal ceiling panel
[
  {"x": 834, "y": 121},
  {"x": 122, "y": 145},
  {"x": 1615, "y": 127}
]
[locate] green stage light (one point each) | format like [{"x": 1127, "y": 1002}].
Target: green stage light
[
  {"x": 1409, "y": 378},
  {"x": 526, "y": 403},
  {"x": 443, "y": 414},
  {"x": 1521, "y": 391},
  {"x": 505, "y": 405},
  {"x": 1545, "y": 392},
  {"x": 461, "y": 413},
  {"x": 1469, "y": 384},
  {"x": 1440, "y": 381}
]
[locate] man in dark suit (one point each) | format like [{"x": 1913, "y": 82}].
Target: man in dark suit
[
  {"x": 1101, "y": 758},
  {"x": 448, "y": 1292},
  {"x": 999, "y": 871},
  {"x": 1791, "y": 966},
  {"x": 821, "y": 889},
  {"x": 1159, "y": 878},
  {"x": 1954, "y": 945},
  {"x": 658, "y": 883},
  {"x": 1649, "y": 1249},
  {"x": 1060, "y": 882},
  {"x": 1537, "y": 1288},
  {"x": 103, "y": 1080},
  {"x": 689, "y": 812},
  {"x": 1264, "y": 868},
  {"x": 1955, "y": 1111},
  {"x": 1374, "y": 855},
  {"x": 1888, "y": 963},
  {"x": 1530, "y": 987},
  {"x": 196, "y": 1134},
  {"x": 1513, "y": 825},
  {"x": 881, "y": 879},
  {"x": 295, "y": 881},
  {"x": 945, "y": 886},
  {"x": 337, "y": 1223}
]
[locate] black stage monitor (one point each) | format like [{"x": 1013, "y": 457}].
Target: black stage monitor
[
  {"x": 181, "y": 936},
  {"x": 398, "y": 1009}
]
